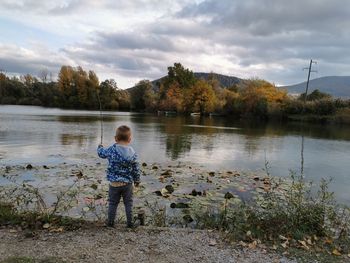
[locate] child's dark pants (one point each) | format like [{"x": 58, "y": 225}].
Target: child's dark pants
[{"x": 114, "y": 195}]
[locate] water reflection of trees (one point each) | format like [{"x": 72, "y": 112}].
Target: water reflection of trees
[
  {"x": 178, "y": 139},
  {"x": 85, "y": 119},
  {"x": 76, "y": 139},
  {"x": 182, "y": 132}
]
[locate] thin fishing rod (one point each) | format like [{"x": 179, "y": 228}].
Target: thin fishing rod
[{"x": 101, "y": 116}]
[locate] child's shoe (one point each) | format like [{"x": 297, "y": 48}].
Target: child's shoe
[
  {"x": 109, "y": 224},
  {"x": 131, "y": 226}
]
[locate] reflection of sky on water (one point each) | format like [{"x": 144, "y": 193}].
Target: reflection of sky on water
[{"x": 48, "y": 136}]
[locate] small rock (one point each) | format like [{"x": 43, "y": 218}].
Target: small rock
[
  {"x": 155, "y": 167},
  {"x": 29, "y": 234},
  {"x": 7, "y": 169},
  {"x": 46, "y": 225},
  {"x": 29, "y": 166},
  {"x": 212, "y": 242},
  {"x": 187, "y": 218},
  {"x": 169, "y": 188},
  {"x": 144, "y": 164},
  {"x": 228, "y": 195},
  {"x": 179, "y": 205},
  {"x": 78, "y": 174},
  {"x": 158, "y": 193},
  {"x": 166, "y": 174},
  {"x": 45, "y": 167},
  {"x": 209, "y": 181},
  {"x": 94, "y": 186},
  {"x": 195, "y": 192},
  {"x": 212, "y": 173}
]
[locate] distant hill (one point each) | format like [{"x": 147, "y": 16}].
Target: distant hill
[
  {"x": 225, "y": 81},
  {"x": 337, "y": 86}
]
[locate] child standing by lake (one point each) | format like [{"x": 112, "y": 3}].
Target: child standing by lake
[{"x": 122, "y": 172}]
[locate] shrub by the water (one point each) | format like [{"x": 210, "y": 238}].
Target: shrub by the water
[{"x": 293, "y": 218}]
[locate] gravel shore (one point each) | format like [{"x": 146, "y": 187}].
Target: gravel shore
[{"x": 120, "y": 245}]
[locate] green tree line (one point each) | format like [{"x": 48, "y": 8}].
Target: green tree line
[
  {"x": 75, "y": 88},
  {"x": 179, "y": 91}
]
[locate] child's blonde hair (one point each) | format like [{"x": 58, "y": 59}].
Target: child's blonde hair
[{"x": 123, "y": 133}]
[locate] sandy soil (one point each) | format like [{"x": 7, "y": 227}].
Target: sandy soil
[{"x": 144, "y": 244}]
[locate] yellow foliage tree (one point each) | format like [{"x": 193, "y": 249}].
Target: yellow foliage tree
[{"x": 201, "y": 98}]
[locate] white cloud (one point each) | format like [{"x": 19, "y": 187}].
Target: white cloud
[{"x": 133, "y": 40}]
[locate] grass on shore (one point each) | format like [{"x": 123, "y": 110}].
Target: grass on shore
[{"x": 296, "y": 221}]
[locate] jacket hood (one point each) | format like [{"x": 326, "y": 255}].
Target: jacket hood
[{"x": 126, "y": 152}]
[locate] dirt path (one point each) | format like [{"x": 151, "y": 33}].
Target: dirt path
[{"x": 120, "y": 245}]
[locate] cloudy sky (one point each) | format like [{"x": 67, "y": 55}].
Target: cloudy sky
[{"x": 130, "y": 40}]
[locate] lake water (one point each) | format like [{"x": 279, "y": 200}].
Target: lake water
[{"x": 42, "y": 136}]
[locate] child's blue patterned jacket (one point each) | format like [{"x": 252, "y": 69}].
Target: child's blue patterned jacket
[{"x": 123, "y": 165}]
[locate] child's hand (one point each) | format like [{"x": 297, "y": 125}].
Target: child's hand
[{"x": 136, "y": 184}]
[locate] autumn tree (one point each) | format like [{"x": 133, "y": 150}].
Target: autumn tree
[
  {"x": 201, "y": 97},
  {"x": 65, "y": 80},
  {"x": 173, "y": 99},
  {"x": 78, "y": 87},
  {"x": 28, "y": 80}
]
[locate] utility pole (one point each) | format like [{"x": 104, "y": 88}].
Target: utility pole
[
  {"x": 302, "y": 136},
  {"x": 308, "y": 77}
]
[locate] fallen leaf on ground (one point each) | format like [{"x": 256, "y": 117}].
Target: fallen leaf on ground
[
  {"x": 243, "y": 244},
  {"x": 328, "y": 240},
  {"x": 303, "y": 243},
  {"x": 285, "y": 244},
  {"x": 283, "y": 237},
  {"x": 335, "y": 252},
  {"x": 46, "y": 226},
  {"x": 253, "y": 245},
  {"x": 57, "y": 230}
]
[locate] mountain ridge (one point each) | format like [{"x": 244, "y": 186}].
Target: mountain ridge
[
  {"x": 337, "y": 86},
  {"x": 224, "y": 80}
]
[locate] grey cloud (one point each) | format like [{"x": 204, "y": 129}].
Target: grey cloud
[
  {"x": 267, "y": 17},
  {"x": 67, "y": 7},
  {"x": 135, "y": 40},
  {"x": 267, "y": 38},
  {"x": 15, "y": 60}
]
